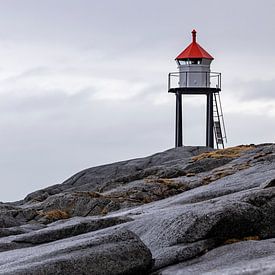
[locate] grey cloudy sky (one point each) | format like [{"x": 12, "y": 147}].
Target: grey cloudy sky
[{"x": 84, "y": 82}]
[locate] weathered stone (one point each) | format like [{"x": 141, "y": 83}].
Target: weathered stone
[
  {"x": 73, "y": 227},
  {"x": 19, "y": 229},
  {"x": 181, "y": 207},
  {"x": 250, "y": 257},
  {"x": 172, "y": 224},
  {"x": 268, "y": 184},
  {"x": 96, "y": 178},
  {"x": 118, "y": 252}
]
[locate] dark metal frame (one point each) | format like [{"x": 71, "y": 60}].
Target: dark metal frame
[{"x": 209, "y": 92}]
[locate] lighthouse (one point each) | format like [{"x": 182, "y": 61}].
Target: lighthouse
[{"x": 194, "y": 77}]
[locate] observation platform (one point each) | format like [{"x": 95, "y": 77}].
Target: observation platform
[{"x": 207, "y": 83}]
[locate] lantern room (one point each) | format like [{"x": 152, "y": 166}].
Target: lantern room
[{"x": 194, "y": 66}]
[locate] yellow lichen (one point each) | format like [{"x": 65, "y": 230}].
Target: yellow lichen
[{"x": 231, "y": 152}]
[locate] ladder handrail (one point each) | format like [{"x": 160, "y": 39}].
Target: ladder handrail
[
  {"x": 215, "y": 110},
  {"x": 223, "y": 123},
  {"x": 220, "y": 132},
  {"x": 218, "y": 121}
]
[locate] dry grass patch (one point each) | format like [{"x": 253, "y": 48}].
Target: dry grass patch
[
  {"x": 221, "y": 173},
  {"x": 190, "y": 174},
  {"x": 55, "y": 214},
  {"x": 231, "y": 152},
  {"x": 249, "y": 238},
  {"x": 104, "y": 211},
  {"x": 167, "y": 183},
  {"x": 216, "y": 176},
  {"x": 261, "y": 156},
  {"x": 160, "y": 180},
  {"x": 90, "y": 194}
]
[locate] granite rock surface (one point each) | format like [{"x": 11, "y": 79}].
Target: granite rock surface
[{"x": 189, "y": 210}]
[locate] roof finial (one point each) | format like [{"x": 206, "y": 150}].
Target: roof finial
[{"x": 194, "y": 34}]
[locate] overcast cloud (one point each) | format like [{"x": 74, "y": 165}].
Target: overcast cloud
[{"x": 84, "y": 82}]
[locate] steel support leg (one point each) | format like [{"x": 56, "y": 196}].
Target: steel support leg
[
  {"x": 178, "y": 120},
  {"x": 207, "y": 118},
  {"x": 210, "y": 121}
]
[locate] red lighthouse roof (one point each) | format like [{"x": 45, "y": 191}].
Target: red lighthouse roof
[{"x": 194, "y": 50}]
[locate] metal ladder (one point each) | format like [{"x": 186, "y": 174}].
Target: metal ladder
[{"x": 219, "y": 126}]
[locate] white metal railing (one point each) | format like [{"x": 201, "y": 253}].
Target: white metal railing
[{"x": 212, "y": 79}]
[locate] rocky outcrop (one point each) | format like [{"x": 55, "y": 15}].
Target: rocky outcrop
[
  {"x": 118, "y": 252},
  {"x": 175, "y": 212},
  {"x": 249, "y": 257}
]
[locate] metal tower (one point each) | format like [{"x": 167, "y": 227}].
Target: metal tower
[{"x": 195, "y": 77}]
